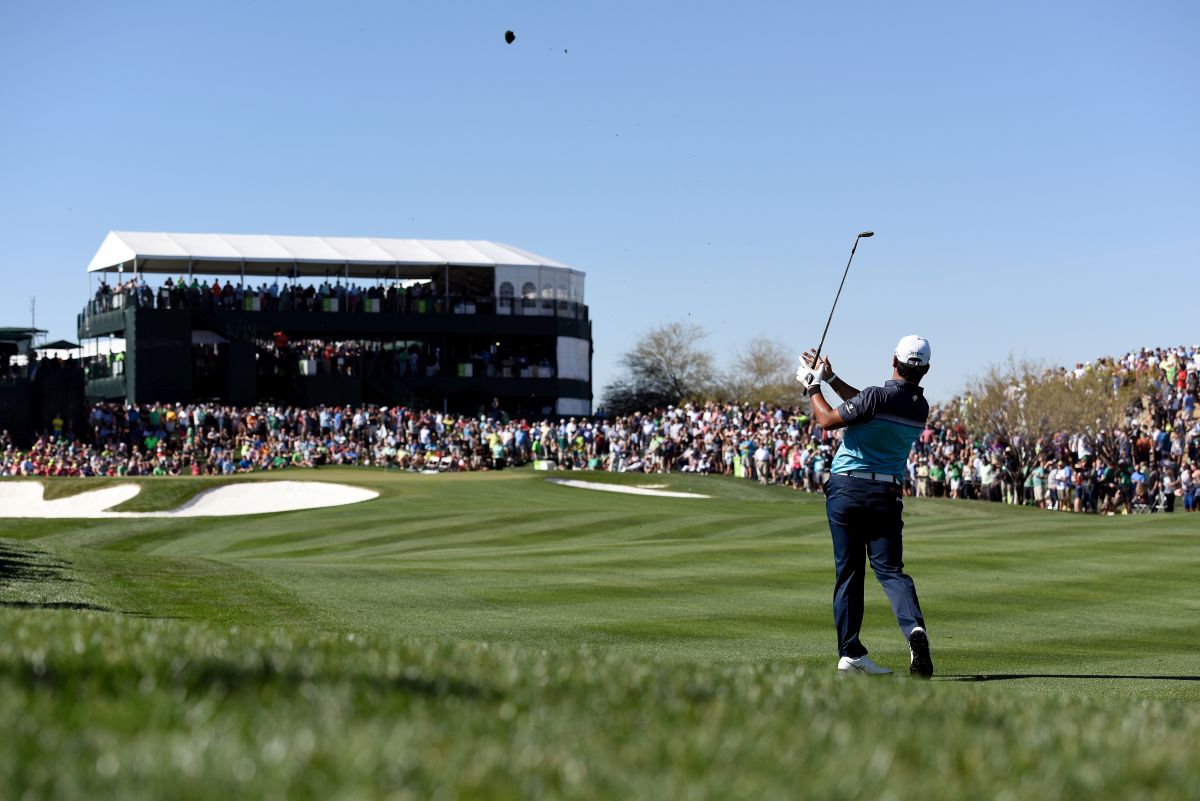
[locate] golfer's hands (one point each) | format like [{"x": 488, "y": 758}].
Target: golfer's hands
[
  {"x": 812, "y": 372},
  {"x": 823, "y": 366}
]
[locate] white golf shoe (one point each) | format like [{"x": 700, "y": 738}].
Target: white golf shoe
[{"x": 862, "y": 664}]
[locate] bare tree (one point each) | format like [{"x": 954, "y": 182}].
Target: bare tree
[
  {"x": 1017, "y": 407},
  {"x": 764, "y": 370},
  {"x": 666, "y": 365},
  {"x": 1104, "y": 402}
]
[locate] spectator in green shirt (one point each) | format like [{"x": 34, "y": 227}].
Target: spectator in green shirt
[
  {"x": 954, "y": 473},
  {"x": 937, "y": 479}
]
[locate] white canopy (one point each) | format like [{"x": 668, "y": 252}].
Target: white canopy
[{"x": 356, "y": 257}]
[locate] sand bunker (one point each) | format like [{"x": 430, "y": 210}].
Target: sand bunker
[
  {"x": 24, "y": 499},
  {"x": 593, "y": 485}
]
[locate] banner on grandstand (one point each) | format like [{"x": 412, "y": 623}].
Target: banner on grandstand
[
  {"x": 574, "y": 358},
  {"x": 573, "y": 406}
]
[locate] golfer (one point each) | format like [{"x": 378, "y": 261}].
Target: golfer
[{"x": 863, "y": 496}]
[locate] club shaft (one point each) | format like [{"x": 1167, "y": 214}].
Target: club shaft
[{"x": 838, "y": 295}]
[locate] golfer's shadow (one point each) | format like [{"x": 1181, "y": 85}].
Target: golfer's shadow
[
  {"x": 1018, "y": 676},
  {"x": 24, "y": 563},
  {"x": 24, "y": 566}
]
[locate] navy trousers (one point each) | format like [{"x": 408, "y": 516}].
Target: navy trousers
[{"x": 864, "y": 519}]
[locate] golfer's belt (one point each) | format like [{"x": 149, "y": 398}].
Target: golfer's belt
[{"x": 885, "y": 477}]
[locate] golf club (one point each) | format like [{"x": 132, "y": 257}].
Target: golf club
[{"x": 863, "y": 235}]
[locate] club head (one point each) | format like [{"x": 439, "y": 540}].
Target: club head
[{"x": 866, "y": 234}]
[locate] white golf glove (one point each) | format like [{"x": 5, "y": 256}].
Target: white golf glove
[{"x": 812, "y": 377}]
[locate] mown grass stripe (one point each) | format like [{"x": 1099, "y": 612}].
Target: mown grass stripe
[{"x": 658, "y": 649}]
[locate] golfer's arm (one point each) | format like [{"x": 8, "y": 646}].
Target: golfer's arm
[
  {"x": 826, "y": 416},
  {"x": 842, "y": 389}
]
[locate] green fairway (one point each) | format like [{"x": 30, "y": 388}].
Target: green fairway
[{"x": 493, "y": 635}]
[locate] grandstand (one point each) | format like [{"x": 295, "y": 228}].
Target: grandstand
[
  {"x": 452, "y": 324},
  {"x": 36, "y": 391}
]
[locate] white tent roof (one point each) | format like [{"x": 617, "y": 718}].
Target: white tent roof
[{"x": 360, "y": 257}]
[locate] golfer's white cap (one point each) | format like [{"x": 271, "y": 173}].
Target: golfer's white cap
[{"x": 913, "y": 349}]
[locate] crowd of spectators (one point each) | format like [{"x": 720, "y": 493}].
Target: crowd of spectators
[
  {"x": 1158, "y": 464},
  {"x": 288, "y": 296},
  {"x": 215, "y": 439},
  {"x": 336, "y": 294},
  {"x": 768, "y": 445},
  {"x": 31, "y": 366},
  {"x": 408, "y": 359}
]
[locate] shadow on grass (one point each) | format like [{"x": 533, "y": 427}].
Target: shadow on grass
[
  {"x": 20, "y": 562},
  {"x": 27, "y": 570},
  {"x": 71, "y": 605},
  {"x": 1107, "y": 676}
]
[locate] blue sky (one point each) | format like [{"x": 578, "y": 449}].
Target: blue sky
[{"x": 1030, "y": 168}]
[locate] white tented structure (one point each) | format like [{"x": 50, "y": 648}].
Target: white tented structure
[
  {"x": 516, "y": 273},
  {"x": 487, "y": 280}
]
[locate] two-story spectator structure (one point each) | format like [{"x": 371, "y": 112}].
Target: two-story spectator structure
[{"x": 461, "y": 325}]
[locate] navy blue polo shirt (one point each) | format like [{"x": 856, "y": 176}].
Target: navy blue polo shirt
[{"x": 882, "y": 423}]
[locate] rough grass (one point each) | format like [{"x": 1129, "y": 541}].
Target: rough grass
[
  {"x": 152, "y": 709},
  {"x": 494, "y": 636}
]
